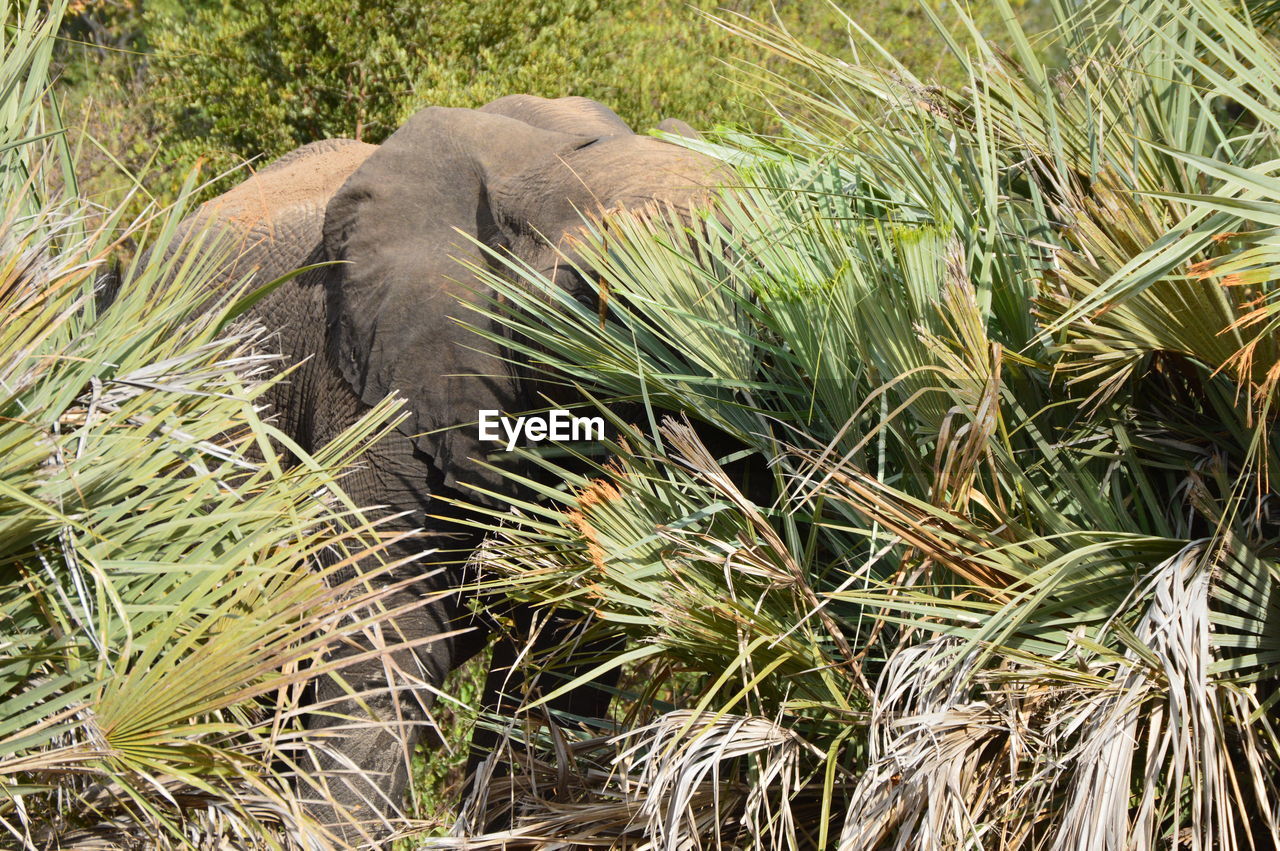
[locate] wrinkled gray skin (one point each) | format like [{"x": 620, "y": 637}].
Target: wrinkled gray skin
[{"x": 515, "y": 174}]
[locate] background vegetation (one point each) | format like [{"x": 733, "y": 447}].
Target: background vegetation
[{"x": 162, "y": 85}]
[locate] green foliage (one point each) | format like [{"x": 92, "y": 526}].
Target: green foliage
[
  {"x": 168, "y": 588},
  {"x": 245, "y": 78},
  {"x": 229, "y": 81},
  {"x": 439, "y": 766},
  {"x": 1008, "y": 349},
  {"x": 238, "y": 80},
  {"x": 646, "y": 60}
]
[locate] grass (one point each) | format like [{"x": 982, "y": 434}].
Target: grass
[{"x": 440, "y": 763}]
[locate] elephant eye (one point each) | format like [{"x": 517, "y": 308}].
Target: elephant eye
[
  {"x": 579, "y": 283},
  {"x": 497, "y": 241}
]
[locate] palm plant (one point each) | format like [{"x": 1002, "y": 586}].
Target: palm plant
[
  {"x": 1008, "y": 353},
  {"x": 168, "y": 587}
]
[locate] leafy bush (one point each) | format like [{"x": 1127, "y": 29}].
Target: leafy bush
[{"x": 228, "y": 81}]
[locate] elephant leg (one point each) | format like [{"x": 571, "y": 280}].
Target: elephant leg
[
  {"x": 367, "y": 719},
  {"x": 368, "y": 716},
  {"x": 533, "y": 640}
]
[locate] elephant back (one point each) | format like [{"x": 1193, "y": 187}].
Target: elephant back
[
  {"x": 266, "y": 226},
  {"x": 272, "y": 223}
]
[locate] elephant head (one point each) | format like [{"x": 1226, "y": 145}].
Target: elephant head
[
  {"x": 518, "y": 176},
  {"x": 406, "y": 223}
]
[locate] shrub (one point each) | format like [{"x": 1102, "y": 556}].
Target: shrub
[{"x": 230, "y": 81}]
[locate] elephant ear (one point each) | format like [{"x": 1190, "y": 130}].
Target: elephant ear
[{"x": 396, "y": 302}]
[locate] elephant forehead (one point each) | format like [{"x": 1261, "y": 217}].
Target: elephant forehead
[
  {"x": 577, "y": 115},
  {"x": 642, "y": 167},
  {"x": 618, "y": 172}
]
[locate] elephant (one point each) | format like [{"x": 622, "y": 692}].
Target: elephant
[{"x": 385, "y": 316}]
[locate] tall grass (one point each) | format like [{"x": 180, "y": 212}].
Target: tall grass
[{"x": 1006, "y": 357}]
